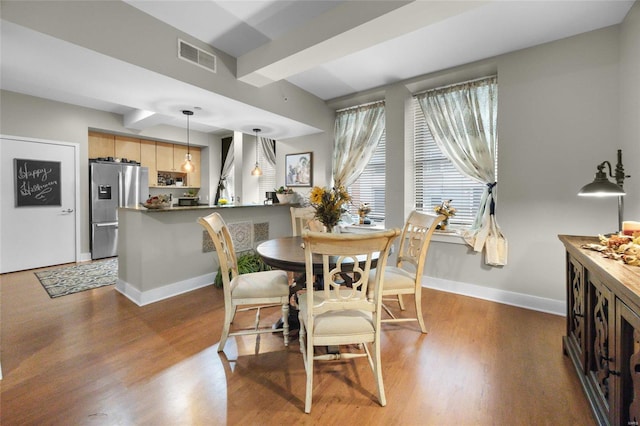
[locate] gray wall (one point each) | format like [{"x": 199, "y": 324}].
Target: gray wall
[
  {"x": 564, "y": 107},
  {"x": 32, "y": 117}
]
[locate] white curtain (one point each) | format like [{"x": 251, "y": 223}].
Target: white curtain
[
  {"x": 357, "y": 132},
  {"x": 463, "y": 121},
  {"x": 225, "y": 185},
  {"x": 268, "y": 147}
]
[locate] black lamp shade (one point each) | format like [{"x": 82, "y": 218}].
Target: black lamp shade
[{"x": 601, "y": 187}]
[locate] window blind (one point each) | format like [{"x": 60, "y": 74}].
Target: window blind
[
  {"x": 266, "y": 182},
  {"x": 436, "y": 179},
  {"x": 370, "y": 185}
]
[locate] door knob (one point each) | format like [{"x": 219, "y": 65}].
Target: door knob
[{"x": 67, "y": 211}]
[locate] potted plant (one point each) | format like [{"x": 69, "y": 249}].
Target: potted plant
[
  {"x": 248, "y": 261},
  {"x": 285, "y": 195}
]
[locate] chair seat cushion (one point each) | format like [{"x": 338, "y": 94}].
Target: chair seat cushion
[
  {"x": 395, "y": 278},
  {"x": 337, "y": 323},
  {"x": 260, "y": 284}
]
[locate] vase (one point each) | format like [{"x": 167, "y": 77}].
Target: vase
[
  {"x": 443, "y": 225},
  {"x": 332, "y": 229}
]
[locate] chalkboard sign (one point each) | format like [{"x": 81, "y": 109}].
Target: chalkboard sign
[{"x": 37, "y": 182}]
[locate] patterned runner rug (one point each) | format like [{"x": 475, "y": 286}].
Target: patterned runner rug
[{"x": 73, "y": 279}]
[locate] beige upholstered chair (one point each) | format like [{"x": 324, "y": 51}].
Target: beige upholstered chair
[
  {"x": 300, "y": 218},
  {"x": 258, "y": 289},
  {"x": 406, "y": 276},
  {"x": 339, "y": 314}
]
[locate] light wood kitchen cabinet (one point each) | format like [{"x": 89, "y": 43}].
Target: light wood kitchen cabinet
[
  {"x": 159, "y": 157},
  {"x": 164, "y": 157},
  {"x": 170, "y": 157},
  {"x": 101, "y": 145},
  {"x": 148, "y": 160},
  {"x": 127, "y": 148},
  {"x": 179, "y": 152}
]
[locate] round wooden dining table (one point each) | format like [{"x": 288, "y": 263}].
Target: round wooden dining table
[{"x": 287, "y": 254}]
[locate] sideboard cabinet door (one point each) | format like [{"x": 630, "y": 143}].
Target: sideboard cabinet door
[
  {"x": 627, "y": 366},
  {"x": 601, "y": 344},
  {"x": 576, "y": 308}
]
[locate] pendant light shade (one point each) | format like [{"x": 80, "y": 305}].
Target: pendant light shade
[
  {"x": 256, "y": 170},
  {"x": 187, "y": 165}
]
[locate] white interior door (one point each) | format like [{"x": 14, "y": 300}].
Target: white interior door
[{"x": 38, "y": 206}]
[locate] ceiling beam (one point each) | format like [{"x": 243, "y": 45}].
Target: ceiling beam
[{"x": 346, "y": 29}]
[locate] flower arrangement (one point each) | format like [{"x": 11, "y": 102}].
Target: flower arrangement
[
  {"x": 446, "y": 210},
  {"x": 328, "y": 204}
]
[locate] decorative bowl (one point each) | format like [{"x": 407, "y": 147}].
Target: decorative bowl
[
  {"x": 286, "y": 198},
  {"x": 156, "y": 205}
]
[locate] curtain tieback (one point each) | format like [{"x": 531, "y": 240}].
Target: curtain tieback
[{"x": 492, "y": 206}]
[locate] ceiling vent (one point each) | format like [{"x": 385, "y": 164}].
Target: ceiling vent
[{"x": 190, "y": 53}]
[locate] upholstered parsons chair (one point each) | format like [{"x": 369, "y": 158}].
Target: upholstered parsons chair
[
  {"x": 339, "y": 314},
  {"x": 257, "y": 289}
]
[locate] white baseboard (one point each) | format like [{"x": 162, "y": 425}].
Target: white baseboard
[
  {"x": 142, "y": 298},
  {"x": 551, "y": 306},
  {"x": 84, "y": 257}
]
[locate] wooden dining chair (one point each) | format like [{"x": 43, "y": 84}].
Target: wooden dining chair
[
  {"x": 300, "y": 218},
  {"x": 406, "y": 276},
  {"x": 256, "y": 290},
  {"x": 339, "y": 314}
]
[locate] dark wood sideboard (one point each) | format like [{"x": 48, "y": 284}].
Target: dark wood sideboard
[{"x": 603, "y": 330}]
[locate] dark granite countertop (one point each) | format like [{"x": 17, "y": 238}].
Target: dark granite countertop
[{"x": 176, "y": 208}]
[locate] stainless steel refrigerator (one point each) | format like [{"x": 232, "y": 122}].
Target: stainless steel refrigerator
[{"x": 112, "y": 185}]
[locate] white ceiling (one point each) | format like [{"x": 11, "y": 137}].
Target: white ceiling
[{"x": 328, "y": 48}]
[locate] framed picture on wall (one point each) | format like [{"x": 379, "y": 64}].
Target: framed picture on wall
[{"x": 299, "y": 169}]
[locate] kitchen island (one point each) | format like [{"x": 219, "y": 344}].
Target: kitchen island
[{"x": 165, "y": 252}]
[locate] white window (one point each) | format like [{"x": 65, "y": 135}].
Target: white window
[
  {"x": 370, "y": 185},
  {"x": 436, "y": 179},
  {"x": 266, "y": 182}
]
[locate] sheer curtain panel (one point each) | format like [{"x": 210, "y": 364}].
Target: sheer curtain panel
[
  {"x": 463, "y": 121},
  {"x": 357, "y": 133},
  {"x": 225, "y": 185}
]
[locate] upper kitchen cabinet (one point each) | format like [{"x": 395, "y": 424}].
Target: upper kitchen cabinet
[
  {"x": 170, "y": 157},
  {"x": 159, "y": 157},
  {"x": 148, "y": 160},
  {"x": 164, "y": 157},
  {"x": 127, "y": 148},
  {"x": 101, "y": 145},
  {"x": 179, "y": 152}
]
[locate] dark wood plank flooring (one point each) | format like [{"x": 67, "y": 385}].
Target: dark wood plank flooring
[{"x": 95, "y": 358}]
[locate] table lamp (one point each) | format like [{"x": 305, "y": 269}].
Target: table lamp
[{"x": 602, "y": 187}]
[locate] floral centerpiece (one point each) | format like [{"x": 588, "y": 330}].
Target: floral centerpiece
[
  {"x": 328, "y": 204},
  {"x": 446, "y": 210}
]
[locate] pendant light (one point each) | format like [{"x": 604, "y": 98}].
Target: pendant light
[
  {"x": 256, "y": 170},
  {"x": 187, "y": 166}
]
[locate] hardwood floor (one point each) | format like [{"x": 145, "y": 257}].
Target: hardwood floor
[{"x": 95, "y": 358}]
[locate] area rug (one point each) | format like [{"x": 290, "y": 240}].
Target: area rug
[{"x": 73, "y": 279}]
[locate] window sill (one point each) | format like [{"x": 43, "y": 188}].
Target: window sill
[{"x": 453, "y": 236}]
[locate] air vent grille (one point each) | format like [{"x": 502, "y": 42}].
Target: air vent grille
[{"x": 190, "y": 53}]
